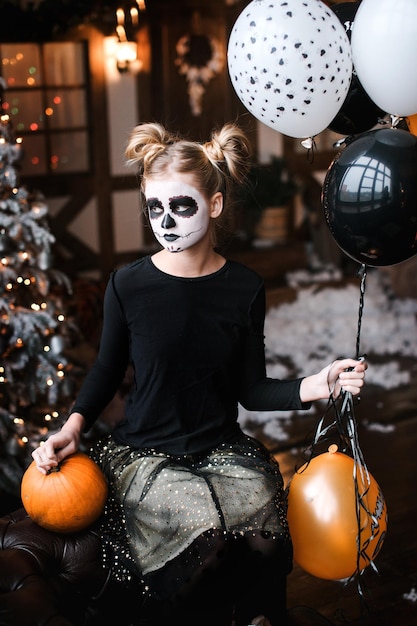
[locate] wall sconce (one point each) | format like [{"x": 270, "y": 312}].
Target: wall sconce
[{"x": 126, "y": 50}]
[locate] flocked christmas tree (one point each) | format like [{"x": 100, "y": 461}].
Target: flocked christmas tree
[{"x": 37, "y": 380}]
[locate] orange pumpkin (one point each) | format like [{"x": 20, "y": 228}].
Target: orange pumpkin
[{"x": 68, "y": 499}]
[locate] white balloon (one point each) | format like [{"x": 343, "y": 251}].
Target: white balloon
[
  {"x": 290, "y": 64},
  {"x": 384, "y": 52}
]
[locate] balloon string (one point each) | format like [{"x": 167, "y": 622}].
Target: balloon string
[
  {"x": 311, "y": 147},
  {"x": 362, "y": 274},
  {"x": 344, "y": 422}
]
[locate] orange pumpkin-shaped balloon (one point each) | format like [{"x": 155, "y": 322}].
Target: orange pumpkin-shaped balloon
[
  {"x": 412, "y": 124},
  {"x": 323, "y": 516},
  {"x": 68, "y": 499}
]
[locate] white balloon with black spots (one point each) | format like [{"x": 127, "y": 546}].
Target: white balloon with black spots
[{"x": 290, "y": 64}]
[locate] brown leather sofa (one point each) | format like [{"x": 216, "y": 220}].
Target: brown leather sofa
[{"x": 48, "y": 579}]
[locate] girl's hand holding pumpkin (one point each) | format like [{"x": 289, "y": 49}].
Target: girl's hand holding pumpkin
[{"x": 59, "y": 445}]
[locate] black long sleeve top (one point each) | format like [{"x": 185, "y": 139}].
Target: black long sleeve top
[{"x": 197, "y": 350}]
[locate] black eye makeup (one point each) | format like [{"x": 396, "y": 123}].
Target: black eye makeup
[
  {"x": 155, "y": 207},
  {"x": 184, "y": 206}
]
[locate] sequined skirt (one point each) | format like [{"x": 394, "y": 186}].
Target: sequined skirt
[{"x": 159, "y": 504}]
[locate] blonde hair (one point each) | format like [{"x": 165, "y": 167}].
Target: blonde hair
[{"x": 216, "y": 165}]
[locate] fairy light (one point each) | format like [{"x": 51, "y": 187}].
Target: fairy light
[
  {"x": 24, "y": 439},
  {"x": 35, "y": 307},
  {"x": 46, "y": 348},
  {"x": 19, "y": 342},
  {"x": 61, "y": 317},
  {"x": 49, "y": 417},
  {"x": 49, "y": 382}
]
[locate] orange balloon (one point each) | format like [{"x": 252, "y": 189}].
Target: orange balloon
[
  {"x": 412, "y": 124},
  {"x": 323, "y": 520}
]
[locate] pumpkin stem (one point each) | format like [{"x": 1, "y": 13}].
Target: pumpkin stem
[{"x": 54, "y": 469}]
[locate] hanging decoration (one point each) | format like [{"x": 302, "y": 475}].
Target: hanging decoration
[
  {"x": 337, "y": 514},
  {"x": 199, "y": 59}
]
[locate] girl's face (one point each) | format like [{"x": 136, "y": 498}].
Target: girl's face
[{"x": 179, "y": 214}]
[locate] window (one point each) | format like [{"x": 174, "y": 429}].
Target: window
[{"x": 47, "y": 101}]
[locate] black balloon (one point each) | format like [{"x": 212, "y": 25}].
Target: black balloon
[
  {"x": 358, "y": 112},
  {"x": 369, "y": 197}
]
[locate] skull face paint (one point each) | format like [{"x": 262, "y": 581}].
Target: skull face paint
[{"x": 178, "y": 213}]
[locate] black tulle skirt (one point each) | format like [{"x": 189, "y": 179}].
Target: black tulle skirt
[{"x": 160, "y": 506}]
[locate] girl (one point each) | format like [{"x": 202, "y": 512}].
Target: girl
[{"x": 196, "y": 507}]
